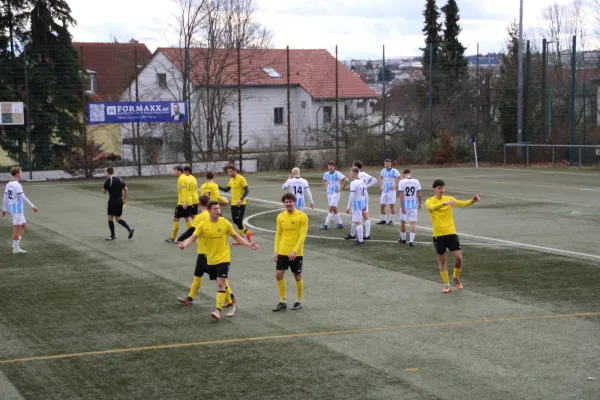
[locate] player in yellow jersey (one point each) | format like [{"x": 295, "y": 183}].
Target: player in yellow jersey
[
  {"x": 215, "y": 232},
  {"x": 444, "y": 231},
  {"x": 193, "y": 190},
  {"x": 201, "y": 262},
  {"x": 182, "y": 208},
  {"x": 239, "y": 190},
  {"x": 211, "y": 189},
  {"x": 292, "y": 227}
]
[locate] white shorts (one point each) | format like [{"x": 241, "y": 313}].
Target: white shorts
[
  {"x": 388, "y": 198},
  {"x": 410, "y": 216},
  {"x": 333, "y": 199},
  {"x": 357, "y": 216},
  {"x": 18, "y": 219}
]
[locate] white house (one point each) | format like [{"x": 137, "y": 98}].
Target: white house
[{"x": 262, "y": 77}]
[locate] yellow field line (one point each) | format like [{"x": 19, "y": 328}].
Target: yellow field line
[{"x": 296, "y": 335}]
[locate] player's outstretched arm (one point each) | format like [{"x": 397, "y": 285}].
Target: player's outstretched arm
[
  {"x": 188, "y": 242},
  {"x": 466, "y": 203},
  {"x": 224, "y": 189},
  {"x": 434, "y": 207},
  {"x": 26, "y": 200},
  {"x": 371, "y": 182},
  {"x": 243, "y": 241},
  {"x": 185, "y": 235}
]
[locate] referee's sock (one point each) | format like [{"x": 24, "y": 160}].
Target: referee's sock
[
  {"x": 111, "y": 226},
  {"x": 123, "y": 224}
]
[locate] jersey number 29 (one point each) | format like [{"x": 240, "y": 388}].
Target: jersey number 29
[{"x": 409, "y": 191}]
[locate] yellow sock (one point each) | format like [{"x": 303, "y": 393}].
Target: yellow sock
[
  {"x": 444, "y": 275},
  {"x": 281, "y": 290},
  {"x": 228, "y": 293},
  {"x": 196, "y": 284},
  {"x": 188, "y": 224},
  {"x": 241, "y": 232},
  {"x": 457, "y": 272},
  {"x": 299, "y": 289},
  {"x": 220, "y": 299},
  {"x": 175, "y": 230}
]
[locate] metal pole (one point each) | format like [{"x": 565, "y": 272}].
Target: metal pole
[
  {"x": 137, "y": 98},
  {"x": 28, "y": 127},
  {"x": 478, "y": 95},
  {"x": 504, "y": 154},
  {"x": 544, "y": 74},
  {"x": 337, "y": 121},
  {"x": 549, "y": 111},
  {"x": 430, "y": 88},
  {"x": 520, "y": 82},
  {"x": 384, "y": 113},
  {"x": 527, "y": 150},
  {"x": 580, "y": 156},
  {"x": 526, "y": 94},
  {"x": 553, "y": 157},
  {"x": 584, "y": 119},
  {"x": 289, "y": 103},
  {"x": 572, "y": 108},
  {"x": 239, "y": 101}
]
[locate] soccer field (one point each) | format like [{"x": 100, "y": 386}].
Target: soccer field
[{"x": 83, "y": 318}]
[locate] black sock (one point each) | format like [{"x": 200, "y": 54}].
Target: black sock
[
  {"x": 111, "y": 225},
  {"x": 124, "y": 224}
]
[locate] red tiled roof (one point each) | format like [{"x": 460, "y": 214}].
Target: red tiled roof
[
  {"x": 113, "y": 64},
  {"x": 314, "y": 70}
]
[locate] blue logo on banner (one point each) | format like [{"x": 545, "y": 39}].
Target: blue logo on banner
[{"x": 142, "y": 111}]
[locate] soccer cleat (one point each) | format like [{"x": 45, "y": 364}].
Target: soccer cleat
[
  {"x": 297, "y": 306},
  {"x": 216, "y": 314},
  {"x": 111, "y": 238},
  {"x": 382, "y": 222},
  {"x": 233, "y": 302},
  {"x": 349, "y": 236},
  {"x": 403, "y": 241},
  {"x": 19, "y": 251},
  {"x": 186, "y": 301},
  {"x": 411, "y": 244},
  {"x": 249, "y": 236},
  {"x": 170, "y": 240},
  {"x": 458, "y": 283},
  {"x": 357, "y": 243},
  {"x": 367, "y": 238},
  {"x": 323, "y": 227},
  {"x": 280, "y": 307},
  {"x": 130, "y": 233},
  {"x": 340, "y": 226},
  {"x": 390, "y": 222},
  {"x": 446, "y": 289},
  {"x": 231, "y": 312}
]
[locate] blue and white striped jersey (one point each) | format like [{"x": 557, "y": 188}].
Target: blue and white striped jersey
[
  {"x": 13, "y": 193},
  {"x": 389, "y": 178},
  {"x": 333, "y": 180},
  {"x": 410, "y": 187},
  {"x": 358, "y": 195}
]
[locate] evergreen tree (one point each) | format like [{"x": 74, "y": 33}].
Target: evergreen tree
[
  {"x": 508, "y": 86},
  {"x": 454, "y": 65},
  {"x": 55, "y": 83},
  {"x": 432, "y": 30},
  {"x": 385, "y": 72}
]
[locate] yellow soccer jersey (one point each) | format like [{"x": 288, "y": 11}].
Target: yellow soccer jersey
[
  {"x": 291, "y": 233},
  {"x": 442, "y": 219},
  {"x": 182, "y": 190},
  {"x": 215, "y": 235},
  {"x": 237, "y": 186},
  {"x": 211, "y": 190},
  {"x": 200, "y": 218},
  {"x": 193, "y": 188}
]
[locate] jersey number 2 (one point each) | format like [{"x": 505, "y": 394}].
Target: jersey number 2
[{"x": 10, "y": 195}]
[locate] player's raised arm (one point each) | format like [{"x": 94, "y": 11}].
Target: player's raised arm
[
  {"x": 466, "y": 203},
  {"x": 431, "y": 206},
  {"x": 225, "y": 189}
]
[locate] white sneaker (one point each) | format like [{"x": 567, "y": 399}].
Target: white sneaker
[
  {"x": 19, "y": 251},
  {"x": 231, "y": 312},
  {"x": 216, "y": 314}
]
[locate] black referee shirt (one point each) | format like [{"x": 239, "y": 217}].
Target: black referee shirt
[{"x": 114, "y": 185}]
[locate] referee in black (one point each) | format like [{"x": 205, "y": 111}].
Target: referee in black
[{"x": 115, "y": 187}]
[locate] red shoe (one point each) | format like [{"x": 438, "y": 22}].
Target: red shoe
[
  {"x": 249, "y": 236},
  {"x": 458, "y": 284}
]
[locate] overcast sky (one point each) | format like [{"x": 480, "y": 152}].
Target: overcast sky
[{"x": 358, "y": 27}]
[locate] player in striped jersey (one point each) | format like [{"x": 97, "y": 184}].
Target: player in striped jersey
[
  {"x": 368, "y": 181},
  {"x": 14, "y": 198},
  {"x": 357, "y": 203},
  {"x": 388, "y": 182},
  {"x": 334, "y": 181},
  {"x": 299, "y": 188},
  {"x": 410, "y": 202}
]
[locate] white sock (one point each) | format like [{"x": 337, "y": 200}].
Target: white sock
[
  {"x": 328, "y": 218},
  {"x": 412, "y": 237},
  {"x": 392, "y": 217},
  {"x": 368, "y": 228},
  {"x": 16, "y": 244},
  {"x": 403, "y": 235},
  {"x": 383, "y": 218},
  {"x": 353, "y": 229},
  {"x": 338, "y": 218},
  {"x": 359, "y": 233}
]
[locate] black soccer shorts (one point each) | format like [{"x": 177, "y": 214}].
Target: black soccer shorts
[
  {"x": 115, "y": 207},
  {"x": 283, "y": 263},
  {"x": 450, "y": 242}
]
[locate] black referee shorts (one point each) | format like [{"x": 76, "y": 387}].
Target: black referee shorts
[
  {"x": 115, "y": 207},
  {"x": 450, "y": 242},
  {"x": 283, "y": 263}
]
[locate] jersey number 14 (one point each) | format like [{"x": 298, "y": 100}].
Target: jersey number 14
[{"x": 297, "y": 190}]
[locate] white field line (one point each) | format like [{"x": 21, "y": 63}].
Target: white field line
[{"x": 506, "y": 242}]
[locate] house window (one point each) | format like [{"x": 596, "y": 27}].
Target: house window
[
  {"x": 347, "y": 113},
  {"x": 90, "y": 82},
  {"x": 271, "y": 72},
  {"x": 326, "y": 115},
  {"x": 278, "y": 115},
  {"x": 162, "y": 80}
]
